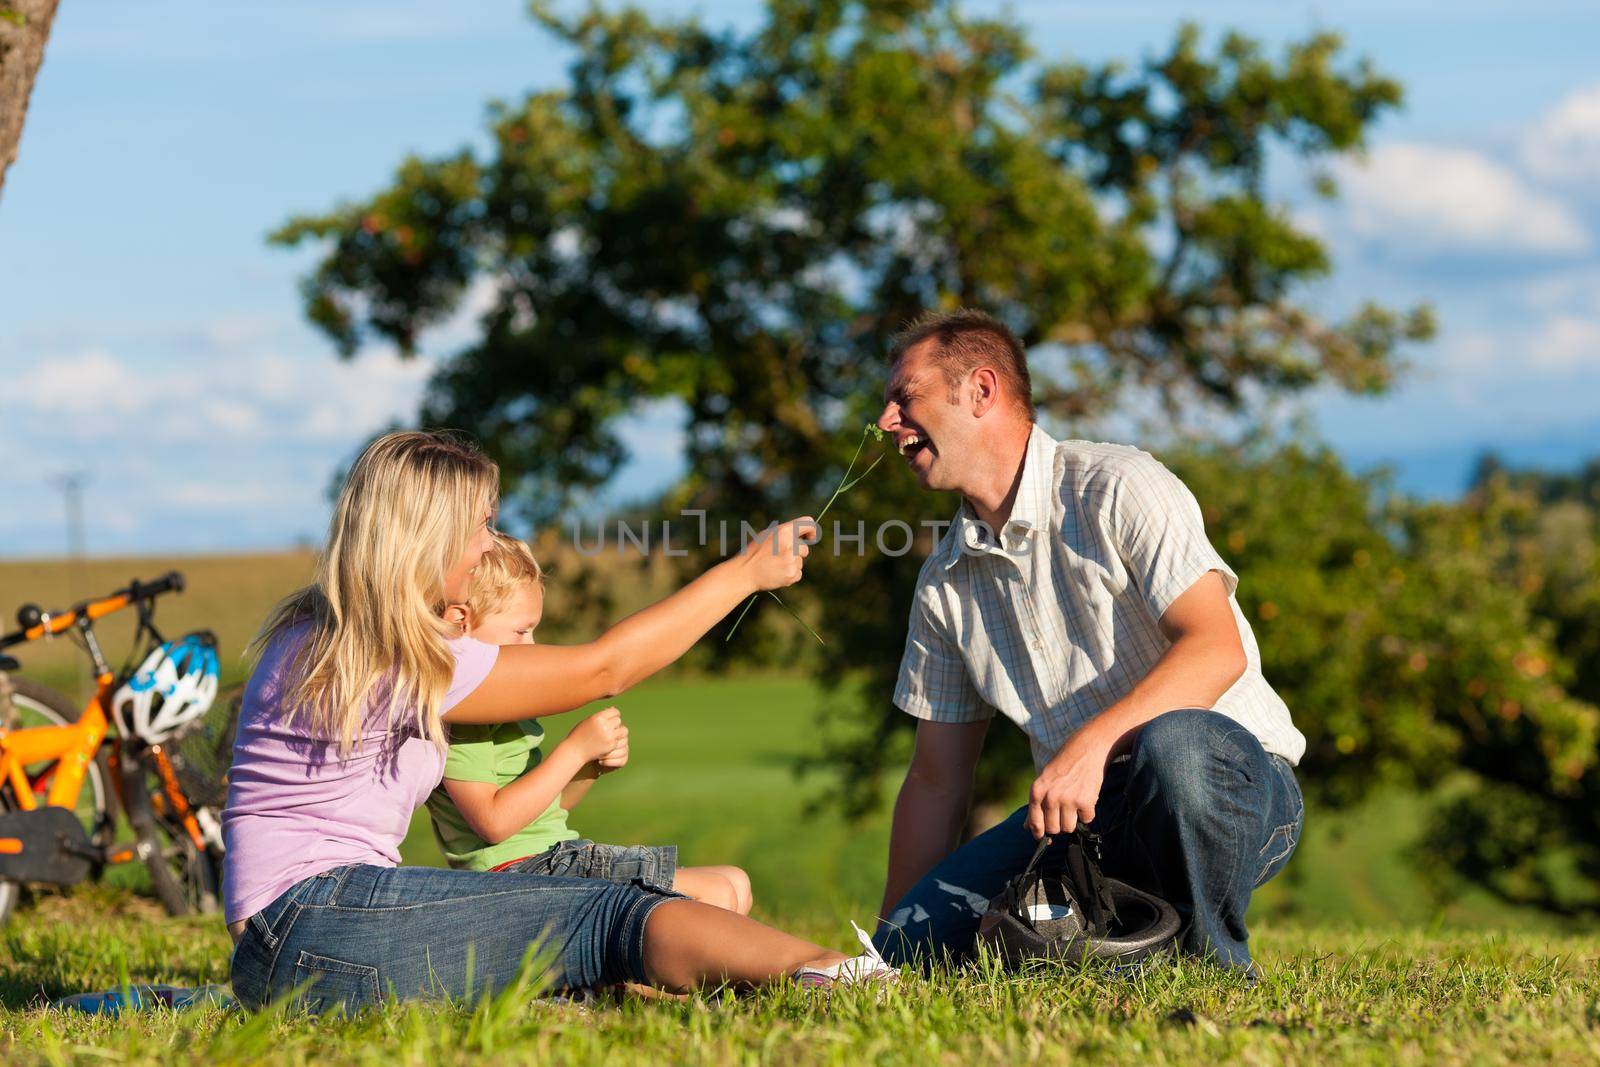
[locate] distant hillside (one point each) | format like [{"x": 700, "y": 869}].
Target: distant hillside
[
  {"x": 231, "y": 595},
  {"x": 227, "y": 594}
]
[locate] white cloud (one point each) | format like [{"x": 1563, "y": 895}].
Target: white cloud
[
  {"x": 464, "y": 326},
  {"x": 1570, "y": 290},
  {"x": 230, "y": 393},
  {"x": 345, "y": 400},
  {"x": 237, "y": 496},
  {"x": 1565, "y": 144},
  {"x": 1435, "y": 199},
  {"x": 1567, "y": 342},
  {"x": 1551, "y": 348},
  {"x": 78, "y": 384}
]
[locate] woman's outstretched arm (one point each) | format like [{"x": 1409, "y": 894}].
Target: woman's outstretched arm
[{"x": 533, "y": 680}]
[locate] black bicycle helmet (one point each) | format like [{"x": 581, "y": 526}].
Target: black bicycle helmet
[{"x": 1063, "y": 908}]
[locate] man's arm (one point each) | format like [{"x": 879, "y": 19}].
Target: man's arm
[
  {"x": 932, "y": 806},
  {"x": 1205, "y": 658}
]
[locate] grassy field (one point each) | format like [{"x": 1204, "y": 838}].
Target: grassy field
[
  {"x": 1334, "y": 996},
  {"x": 1362, "y": 965}
]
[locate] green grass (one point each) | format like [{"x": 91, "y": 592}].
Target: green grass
[{"x": 1329, "y": 996}]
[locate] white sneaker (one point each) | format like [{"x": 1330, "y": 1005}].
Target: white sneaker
[{"x": 866, "y": 969}]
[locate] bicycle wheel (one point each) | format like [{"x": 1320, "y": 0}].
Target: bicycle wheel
[
  {"x": 37, "y": 705},
  {"x": 185, "y": 877},
  {"x": 9, "y": 891}
]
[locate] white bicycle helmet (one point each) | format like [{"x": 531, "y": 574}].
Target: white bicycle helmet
[{"x": 172, "y": 688}]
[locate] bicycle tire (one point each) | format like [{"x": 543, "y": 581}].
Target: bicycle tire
[
  {"x": 42, "y": 702},
  {"x": 184, "y": 876},
  {"x": 10, "y": 892}
]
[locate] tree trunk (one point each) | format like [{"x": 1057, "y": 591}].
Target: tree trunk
[{"x": 21, "y": 52}]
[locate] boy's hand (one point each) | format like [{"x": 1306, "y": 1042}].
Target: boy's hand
[
  {"x": 600, "y": 734},
  {"x": 617, "y": 757}
]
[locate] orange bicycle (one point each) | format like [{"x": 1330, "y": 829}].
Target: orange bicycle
[{"x": 57, "y": 824}]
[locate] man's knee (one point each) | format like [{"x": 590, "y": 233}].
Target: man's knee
[{"x": 1188, "y": 753}]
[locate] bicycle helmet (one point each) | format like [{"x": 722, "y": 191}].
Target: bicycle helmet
[
  {"x": 1065, "y": 909},
  {"x": 172, "y": 688}
]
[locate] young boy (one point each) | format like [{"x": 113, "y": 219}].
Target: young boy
[{"x": 503, "y": 806}]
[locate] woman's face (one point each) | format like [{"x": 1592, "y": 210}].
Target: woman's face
[{"x": 458, "y": 579}]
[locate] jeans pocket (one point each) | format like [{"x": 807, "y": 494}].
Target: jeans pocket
[
  {"x": 324, "y": 984},
  {"x": 1276, "y": 852}
]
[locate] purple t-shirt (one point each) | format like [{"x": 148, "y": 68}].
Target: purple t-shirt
[{"x": 296, "y": 809}]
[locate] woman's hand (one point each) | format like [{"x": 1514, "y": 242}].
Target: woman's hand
[
  {"x": 777, "y": 557},
  {"x": 600, "y": 735}
]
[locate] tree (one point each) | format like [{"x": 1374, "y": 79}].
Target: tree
[
  {"x": 24, "y": 28},
  {"x": 1526, "y": 823},
  {"x": 739, "y": 221},
  {"x": 1421, "y": 644}
]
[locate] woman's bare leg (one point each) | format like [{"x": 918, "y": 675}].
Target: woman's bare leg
[{"x": 688, "y": 944}]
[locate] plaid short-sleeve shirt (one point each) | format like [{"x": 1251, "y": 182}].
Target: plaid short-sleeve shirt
[{"x": 1057, "y": 618}]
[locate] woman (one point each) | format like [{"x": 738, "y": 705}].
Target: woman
[{"x": 341, "y": 737}]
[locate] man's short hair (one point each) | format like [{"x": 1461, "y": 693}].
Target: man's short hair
[{"x": 965, "y": 340}]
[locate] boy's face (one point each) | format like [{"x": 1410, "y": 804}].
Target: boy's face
[{"x": 514, "y": 623}]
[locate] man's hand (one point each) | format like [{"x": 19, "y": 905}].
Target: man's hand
[{"x": 1067, "y": 790}]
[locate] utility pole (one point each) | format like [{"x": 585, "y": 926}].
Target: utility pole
[{"x": 71, "y": 485}]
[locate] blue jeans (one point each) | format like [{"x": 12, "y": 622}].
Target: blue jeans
[
  {"x": 353, "y": 935},
  {"x": 1198, "y": 814},
  {"x": 651, "y": 866}
]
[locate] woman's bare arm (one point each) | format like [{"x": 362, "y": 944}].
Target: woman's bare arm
[{"x": 529, "y": 681}]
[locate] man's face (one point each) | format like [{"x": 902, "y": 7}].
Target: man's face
[{"x": 931, "y": 433}]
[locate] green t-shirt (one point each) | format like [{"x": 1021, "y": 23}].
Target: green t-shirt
[{"x": 498, "y": 754}]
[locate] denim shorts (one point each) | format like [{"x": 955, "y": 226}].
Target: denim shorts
[
  {"x": 350, "y": 937},
  {"x": 649, "y": 866}
]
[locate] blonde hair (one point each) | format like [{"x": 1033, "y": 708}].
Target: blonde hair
[
  {"x": 505, "y": 568},
  {"x": 407, "y": 511}
]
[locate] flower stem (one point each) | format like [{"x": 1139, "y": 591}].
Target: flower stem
[
  {"x": 748, "y": 604},
  {"x": 845, "y": 484}
]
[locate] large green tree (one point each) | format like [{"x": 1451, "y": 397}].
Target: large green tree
[
  {"x": 738, "y": 221},
  {"x": 735, "y": 222}
]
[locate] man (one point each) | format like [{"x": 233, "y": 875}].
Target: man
[{"x": 1076, "y": 594}]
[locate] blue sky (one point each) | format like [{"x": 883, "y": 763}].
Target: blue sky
[{"x": 150, "y": 337}]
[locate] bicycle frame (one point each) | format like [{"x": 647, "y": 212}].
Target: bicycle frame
[{"x": 70, "y": 748}]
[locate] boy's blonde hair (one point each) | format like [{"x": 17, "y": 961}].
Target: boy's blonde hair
[
  {"x": 408, "y": 509},
  {"x": 506, "y": 567}
]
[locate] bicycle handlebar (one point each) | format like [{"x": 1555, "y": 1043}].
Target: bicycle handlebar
[{"x": 37, "y": 623}]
